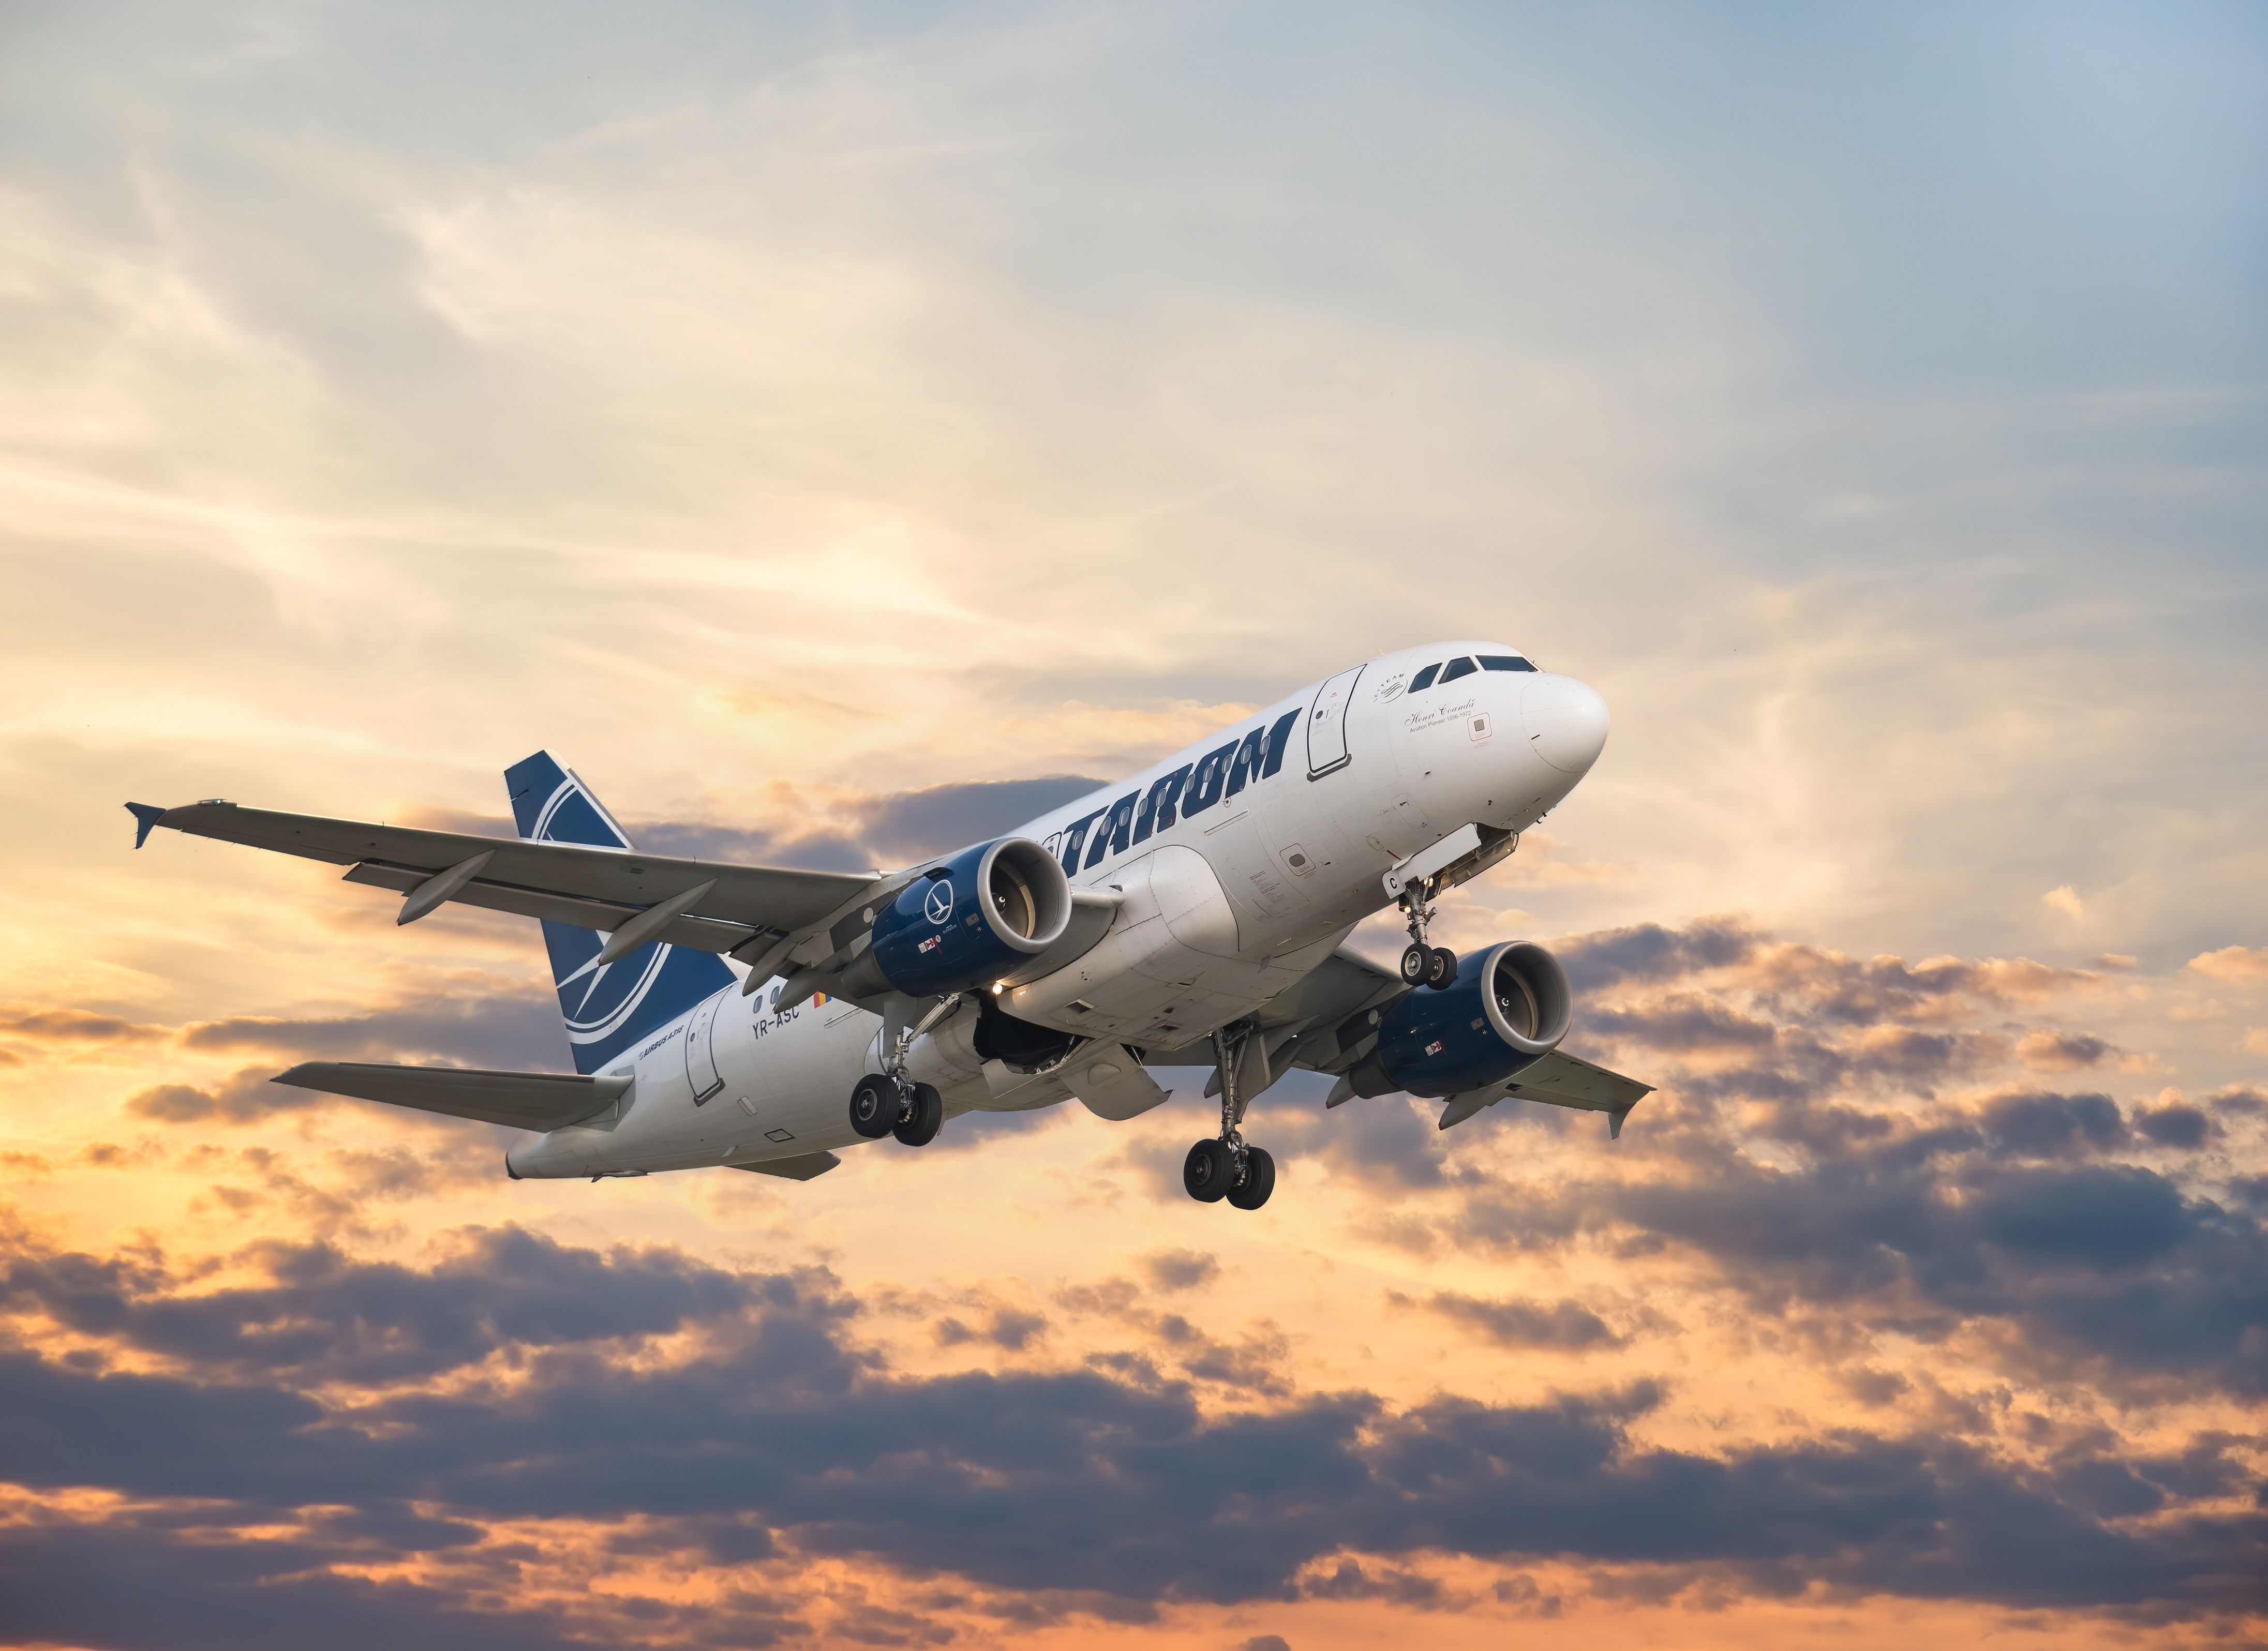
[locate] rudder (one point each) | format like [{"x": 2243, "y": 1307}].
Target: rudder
[{"x": 607, "y": 1009}]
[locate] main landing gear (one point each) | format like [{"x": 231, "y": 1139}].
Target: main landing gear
[
  {"x": 890, "y": 1104},
  {"x": 1226, "y": 1167},
  {"x": 881, "y": 1105},
  {"x": 1423, "y": 965}
]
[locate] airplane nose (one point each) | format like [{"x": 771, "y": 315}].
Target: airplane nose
[{"x": 1565, "y": 721}]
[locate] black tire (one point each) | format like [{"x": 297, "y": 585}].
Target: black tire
[
  {"x": 919, "y": 1127},
  {"x": 1259, "y": 1180},
  {"x": 1442, "y": 968},
  {"x": 875, "y": 1106},
  {"x": 1209, "y": 1171},
  {"x": 1415, "y": 959}
]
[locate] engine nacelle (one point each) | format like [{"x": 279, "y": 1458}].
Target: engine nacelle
[
  {"x": 966, "y": 922},
  {"x": 1508, "y": 1007}
]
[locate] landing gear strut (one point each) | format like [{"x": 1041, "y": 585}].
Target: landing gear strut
[
  {"x": 1421, "y": 963},
  {"x": 1224, "y": 1166},
  {"x": 887, "y": 1103}
]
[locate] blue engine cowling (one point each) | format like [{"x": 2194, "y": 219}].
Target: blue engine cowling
[
  {"x": 967, "y": 921},
  {"x": 1507, "y": 1009}
]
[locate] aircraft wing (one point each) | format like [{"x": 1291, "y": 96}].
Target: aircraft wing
[
  {"x": 1330, "y": 1021},
  {"x": 751, "y": 911},
  {"x": 1557, "y": 1080},
  {"x": 522, "y": 1100}
]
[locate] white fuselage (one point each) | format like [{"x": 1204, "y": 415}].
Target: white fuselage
[{"x": 1253, "y": 883}]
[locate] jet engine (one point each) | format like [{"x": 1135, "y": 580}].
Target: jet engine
[
  {"x": 1507, "y": 1009},
  {"x": 966, "y": 922}
]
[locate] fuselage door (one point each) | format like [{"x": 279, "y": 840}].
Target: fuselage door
[
  {"x": 1326, "y": 742},
  {"x": 701, "y": 1051}
]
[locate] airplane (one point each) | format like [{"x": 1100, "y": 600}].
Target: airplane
[{"x": 1195, "y": 914}]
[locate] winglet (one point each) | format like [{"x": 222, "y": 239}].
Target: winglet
[{"x": 144, "y": 817}]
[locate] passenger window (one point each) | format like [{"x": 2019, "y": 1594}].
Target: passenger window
[
  {"x": 1505, "y": 662},
  {"x": 1423, "y": 680},
  {"x": 1457, "y": 668}
]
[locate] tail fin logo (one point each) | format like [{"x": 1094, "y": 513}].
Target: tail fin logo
[
  {"x": 607, "y": 1007},
  {"x": 606, "y": 1004}
]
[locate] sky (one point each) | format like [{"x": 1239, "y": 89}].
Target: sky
[{"x": 836, "y": 433}]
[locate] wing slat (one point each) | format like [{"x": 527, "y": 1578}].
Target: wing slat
[{"x": 704, "y": 933}]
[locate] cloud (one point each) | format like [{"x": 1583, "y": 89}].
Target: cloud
[
  {"x": 1650, "y": 953},
  {"x": 2033, "y": 1124},
  {"x": 912, "y": 825},
  {"x": 2065, "y": 900},
  {"x": 2092, "y": 1271},
  {"x": 1567, "y": 1326},
  {"x": 2062, "y": 1052},
  {"x": 499, "y": 1027},
  {"x": 318, "y": 1316},
  {"x": 60, "y": 1024},
  {"x": 1181, "y": 1269},
  {"x": 245, "y": 1098},
  {"x": 2237, "y": 964},
  {"x": 1075, "y": 1481},
  {"x": 2178, "y": 1126}
]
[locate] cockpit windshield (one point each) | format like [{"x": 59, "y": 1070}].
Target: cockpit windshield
[
  {"x": 1505, "y": 662},
  {"x": 1423, "y": 680},
  {"x": 1458, "y": 668}
]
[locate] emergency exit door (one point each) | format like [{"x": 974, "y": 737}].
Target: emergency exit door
[{"x": 701, "y": 1051}]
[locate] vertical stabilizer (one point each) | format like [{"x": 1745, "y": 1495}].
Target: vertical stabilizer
[{"x": 608, "y": 1009}]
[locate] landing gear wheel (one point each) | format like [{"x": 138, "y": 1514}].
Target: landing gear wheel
[
  {"x": 1440, "y": 968},
  {"x": 875, "y": 1105},
  {"x": 1259, "y": 1180},
  {"x": 1209, "y": 1171},
  {"x": 1416, "y": 960},
  {"x": 923, "y": 1114}
]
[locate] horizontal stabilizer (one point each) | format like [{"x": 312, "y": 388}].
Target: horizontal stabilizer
[
  {"x": 519, "y": 1100},
  {"x": 800, "y": 1168}
]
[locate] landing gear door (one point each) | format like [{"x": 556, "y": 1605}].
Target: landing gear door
[
  {"x": 1326, "y": 743},
  {"x": 701, "y": 1051}
]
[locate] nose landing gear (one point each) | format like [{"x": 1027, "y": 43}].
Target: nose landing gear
[
  {"x": 1226, "y": 1167},
  {"x": 1421, "y": 963}
]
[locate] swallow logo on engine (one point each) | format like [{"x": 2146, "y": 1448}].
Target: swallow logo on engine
[{"x": 939, "y": 904}]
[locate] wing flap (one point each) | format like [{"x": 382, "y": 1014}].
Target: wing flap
[
  {"x": 750, "y": 898},
  {"x": 1563, "y": 1080},
  {"x": 704, "y": 933},
  {"x": 519, "y": 1100},
  {"x": 1558, "y": 1079}
]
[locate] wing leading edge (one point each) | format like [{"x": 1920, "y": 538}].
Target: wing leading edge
[{"x": 748, "y": 909}]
